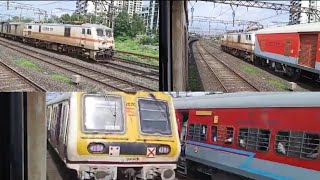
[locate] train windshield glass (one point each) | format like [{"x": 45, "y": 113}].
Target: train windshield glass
[
  {"x": 109, "y": 33},
  {"x": 103, "y": 114},
  {"x": 154, "y": 117},
  {"x": 100, "y": 32}
]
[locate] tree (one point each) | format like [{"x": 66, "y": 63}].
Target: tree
[
  {"x": 53, "y": 19},
  {"x": 26, "y": 20},
  {"x": 122, "y": 24},
  {"x": 65, "y": 18},
  {"x": 137, "y": 25}
]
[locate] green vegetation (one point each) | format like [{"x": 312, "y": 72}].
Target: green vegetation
[
  {"x": 194, "y": 79},
  {"x": 61, "y": 77},
  {"x": 249, "y": 70},
  {"x": 126, "y": 26},
  {"x": 22, "y": 19},
  {"x": 133, "y": 45},
  {"x": 137, "y": 59},
  {"x": 27, "y": 64},
  {"x": 278, "y": 84}
]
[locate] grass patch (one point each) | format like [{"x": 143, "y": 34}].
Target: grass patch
[
  {"x": 278, "y": 84},
  {"x": 28, "y": 64},
  {"x": 61, "y": 77},
  {"x": 137, "y": 59},
  {"x": 249, "y": 70},
  {"x": 134, "y": 46},
  {"x": 194, "y": 79}
]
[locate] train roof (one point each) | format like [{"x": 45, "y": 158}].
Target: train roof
[
  {"x": 236, "y": 33},
  {"x": 69, "y": 25},
  {"x": 62, "y": 97},
  {"x": 250, "y": 100},
  {"x": 310, "y": 27}
]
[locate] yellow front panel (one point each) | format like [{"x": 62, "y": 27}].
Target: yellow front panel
[{"x": 132, "y": 127}]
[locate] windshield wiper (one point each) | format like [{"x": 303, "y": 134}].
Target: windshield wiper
[{"x": 114, "y": 114}]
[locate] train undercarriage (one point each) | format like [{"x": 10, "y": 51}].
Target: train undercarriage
[
  {"x": 101, "y": 55},
  {"x": 113, "y": 172}
]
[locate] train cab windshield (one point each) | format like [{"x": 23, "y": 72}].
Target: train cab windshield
[
  {"x": 109, "y": 32},
  {"x": 103, "y": 114},
  {"x": 104, "y": 32},
  {"x": 154, "y": 117}
]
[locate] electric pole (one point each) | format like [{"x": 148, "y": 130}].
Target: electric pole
[{"x": 95, "y": 12}]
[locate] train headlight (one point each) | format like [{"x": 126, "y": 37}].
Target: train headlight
[
  {"x": 164, "y": 149},
  {"x": 96, "y": 148}
]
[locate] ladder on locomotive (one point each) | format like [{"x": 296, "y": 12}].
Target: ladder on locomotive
[{"x": 182, "y": 166}]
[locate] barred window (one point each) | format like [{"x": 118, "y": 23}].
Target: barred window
[
  {"x": 198, "y": 132},
  {"x": 222, "y": 134},
  {"x": 214, "y": 133},
  {"x": 302, "y": 145},
  {"x": 254, "y": 139}
]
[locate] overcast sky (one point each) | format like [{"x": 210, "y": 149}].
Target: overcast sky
[
  {"x": 50, "y": 6},
  {"x": 224, "y": 12}
]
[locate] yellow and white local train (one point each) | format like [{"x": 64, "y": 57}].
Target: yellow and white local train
[
  {"x": 115, "y": 136},
  {"x": 86, "y": 40}
]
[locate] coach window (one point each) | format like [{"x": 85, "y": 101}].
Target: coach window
[
  {"x": 239, "y": 38},
  {"x": 197, "y": 132},
  {"x": 249, "y": 37},
  {"x": 191, "y": 131},
  {"x": 254, "y": 139},
  {"x": 203, "y": 134},
  {"x": 83, "y": 31},
  {"x": 89, "y": 31},
  {"x": 214, "y": 133},
  {"x": 229, "y": 137},
  {"x": 29, "y": 27},
  {"x": 302, "y": 145}
]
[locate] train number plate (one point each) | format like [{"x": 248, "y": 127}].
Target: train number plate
[{"x": 114, "y": 150}]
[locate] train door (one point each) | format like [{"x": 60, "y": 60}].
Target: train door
[
  {"x": 57, "y": 129},
  {"x": 39, "y": 28},
  {"x": 83, "y": 37},
  {"x": 308, "y": 50},
  {"x": 183, "y": 134},
  {"x": 49, "y": 114},
  {"x": 67, "y": 32},
  {"x": 15, "y": 28},
  {"x": 63, "y": 128},
  {"x": 53, "y": 122}
]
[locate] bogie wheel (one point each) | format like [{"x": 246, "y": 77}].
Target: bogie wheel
[{"x": 264, "y": 63}]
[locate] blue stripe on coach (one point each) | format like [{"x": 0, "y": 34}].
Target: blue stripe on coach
[{"x": 244, "y": 165}]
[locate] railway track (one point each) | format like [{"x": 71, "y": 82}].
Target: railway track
[
  {"x": 147, "y": 73},
  {"x": 140, "y": 55},
  {"x": 12, "y": 80},
  {"x": 89, "y": 73},
  {"x": 153, "y": 67},
  {"x": 230, "y": 80}
]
